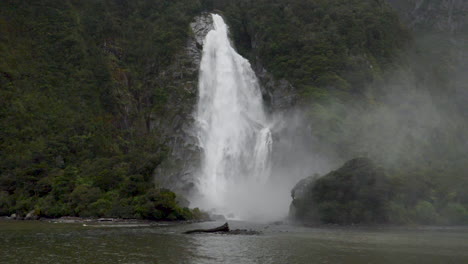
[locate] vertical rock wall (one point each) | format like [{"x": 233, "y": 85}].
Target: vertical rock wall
[{"x": 181, "y": 80}]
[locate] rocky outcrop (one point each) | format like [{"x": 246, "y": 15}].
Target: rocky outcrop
[
  {"x": 32, "y": 215},
  {"x": 225, "y": 230},
  {"x": 220, "y": 229},
  {"x": 356, "y": 193},
  {"x": 279, "y": 95},
  {"x": 176, "y": 172},
  {"x": 200, "y": 28}
]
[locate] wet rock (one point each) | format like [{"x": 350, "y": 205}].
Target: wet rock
[
  {"x": 200, "y": 27},
  {"x": 279, "y": 95},
  {"x": 32, "y": 215},
  {"x": 177, "y": 171},
  {"x": 224, "y": 229},
  {"x": 220, "y": 229},
  {"x": 16, "y": 216},
  {"x": 106, "y": 220},
  {"x": 67, "y": 219}
]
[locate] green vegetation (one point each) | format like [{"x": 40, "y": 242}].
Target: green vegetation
[
  {"x": 323, "y": 47},
  {"x": 370, "y": 87},
  {"x": 358, "y": 192},
  {"x": 362, "y": 193},
  {"x": 79, "y": 85},
  {"x": 86, "y": 92}
]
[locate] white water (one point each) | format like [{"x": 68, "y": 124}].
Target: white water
[{"x": 232, "y": 130}]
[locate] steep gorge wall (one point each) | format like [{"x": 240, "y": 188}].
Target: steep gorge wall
[
  {"x": 99, "y": 94},
  {"x": 177, "y": 171},
  {"x": 90, "y": 102},
  {"x": 300, "y": 55}
]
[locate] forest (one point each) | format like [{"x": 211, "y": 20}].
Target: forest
[{"x": 84, "y": 85}]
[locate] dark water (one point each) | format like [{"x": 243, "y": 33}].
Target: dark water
[{"x": 44, "y": 242}]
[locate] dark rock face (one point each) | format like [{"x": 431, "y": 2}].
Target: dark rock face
[
  {"x": 32, "y": 215},
  {"x": 356, "y": 193},
  {"x": 225, "y": 230},
  {"x": 279, "y": 95},
  {"x": 176, "y": 172}
]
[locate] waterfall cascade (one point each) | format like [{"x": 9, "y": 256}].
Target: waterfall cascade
[{"x": 232, "y": 129}]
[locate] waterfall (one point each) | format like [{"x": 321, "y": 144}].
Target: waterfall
[{"x": 232, "y": 128}]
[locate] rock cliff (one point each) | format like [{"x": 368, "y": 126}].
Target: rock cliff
[{"x": 177, "y": 171}]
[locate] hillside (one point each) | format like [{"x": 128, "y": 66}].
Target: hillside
[
  {"x": 82, "y": 88},
  {"x": 97, "y": 97}
]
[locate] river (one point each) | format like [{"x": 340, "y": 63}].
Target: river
[{"x": 48, "y": 242}]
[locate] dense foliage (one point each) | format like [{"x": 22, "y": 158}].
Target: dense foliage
[
  {"x": 360, "y": 192},
  {"x": 77, "y": 94},
  {"x": 325, "y": 48},
  {"x": 82, "y": 83},
  {"x": 373, "y": 88}
]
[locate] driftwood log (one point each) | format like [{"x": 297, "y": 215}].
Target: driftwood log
[{"x": 223, "y": 228}]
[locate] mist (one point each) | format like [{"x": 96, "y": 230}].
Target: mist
[{"x": 412, "y": 121}]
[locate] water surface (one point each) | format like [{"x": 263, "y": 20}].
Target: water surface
[{"x": 45, "y": 242}]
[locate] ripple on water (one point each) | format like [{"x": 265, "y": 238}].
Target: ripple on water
[{"x": 36, "y": 242}]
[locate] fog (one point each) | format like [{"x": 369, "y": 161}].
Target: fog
[{"x": 412, "y": 119}]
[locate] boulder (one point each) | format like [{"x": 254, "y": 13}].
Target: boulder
[
  {"x": 224, "y": 229},
  {"x": 220, "y": 229},
  {"x": 106, "y": 220},
  {"x": 356, "y": 193},
  {"x": 32, "y": 215},
  {"x": 177, "y": 171}
]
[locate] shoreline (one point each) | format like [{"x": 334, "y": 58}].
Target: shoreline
[
  {"x": 146, "y": 222},
  {"x": 102, "y": 220}
]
